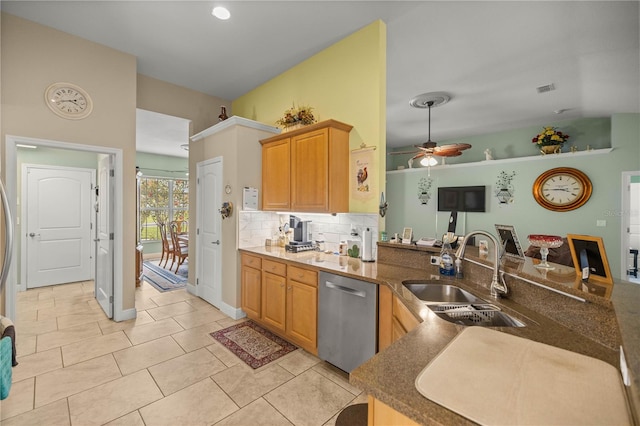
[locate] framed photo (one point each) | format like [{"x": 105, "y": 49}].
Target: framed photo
[
  {"x": 509, "y": 241},
  {"x": 407, "y": 233},
  {"x": 585, "y": 248}
]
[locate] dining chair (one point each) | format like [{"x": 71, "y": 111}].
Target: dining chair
[
  {"x": 180, "y": 248},
  {"x": 167, "y": 245}
]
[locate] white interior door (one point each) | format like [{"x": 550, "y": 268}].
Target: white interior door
[
  {"x": 631, "y": 222},
  {"x": 104, "y": 236},
  {"x": 208, "y": 234},
  {"x": 58, "y": 225}
]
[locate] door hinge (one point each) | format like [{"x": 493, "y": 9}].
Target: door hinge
[
  {"x": 197, "y": 231},
  {"x": 110, "y": 299},
  {"x": 91, "y": 225},
  {"x": 112, "y": 172},
  {"x": 111, "y": 236},
  {"x": 97, "y": 191},
  {"x": 197, "y": 281}
]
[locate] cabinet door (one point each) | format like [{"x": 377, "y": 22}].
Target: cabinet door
[
  {"x": 276, "y": 186},
  {"x": 302, "y": 315},
  {"x": 274, "y": 298},
  {"x": 251, "y": 291},
  {"x": 310, "y": 171}
]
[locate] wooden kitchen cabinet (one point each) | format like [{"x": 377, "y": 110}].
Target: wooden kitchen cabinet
[
  {"x": 274, "y": 299},
  {"x": 315, "y": 177},
  {"x": 251, "y": 286},
  {"x": 276, "y": 175},
  {"x": 282, "y": 298},
  {"x": 380, "y": 414},
  {"x": 394, "y": 319},
  {"x": 302, "y": 308}
]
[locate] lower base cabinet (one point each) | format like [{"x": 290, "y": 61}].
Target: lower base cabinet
[
  {"x": 380, "y": 414},
  {"x": 282, "y": 298},
  {"x": 394, "y": 319}
]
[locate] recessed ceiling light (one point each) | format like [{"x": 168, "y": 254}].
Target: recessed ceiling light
[{"x": 221, "y": 13}]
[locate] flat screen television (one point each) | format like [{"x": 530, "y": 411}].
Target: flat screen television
[{"x": 462, "y": 199}]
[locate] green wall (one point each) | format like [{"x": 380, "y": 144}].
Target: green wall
[
  {"x": 604, "y": 170},
  {"x": 154, "y": 165},
  {"x": 345, "y": 82},
  {"x": 593, "y": 132}
]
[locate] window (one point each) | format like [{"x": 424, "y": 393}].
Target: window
[{"x": 162, "y": 200}]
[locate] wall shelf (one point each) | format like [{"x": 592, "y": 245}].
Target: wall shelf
[{"x": 508, "y": 160}]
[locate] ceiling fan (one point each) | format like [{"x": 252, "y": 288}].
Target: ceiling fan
[{"x": 429, "y": 149}]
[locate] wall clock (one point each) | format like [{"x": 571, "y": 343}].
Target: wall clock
[
  {"x": 562, "y": 189},
  {"x": 68, "y": 100}
]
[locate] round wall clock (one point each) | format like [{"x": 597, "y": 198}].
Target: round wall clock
[
  {"x": 562, "y": 189},
  {"x": 68, "y": 100}
]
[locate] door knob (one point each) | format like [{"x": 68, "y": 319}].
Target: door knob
[
  {"x": 33, "y": 234},
  {"x": 217, "y": 242}
]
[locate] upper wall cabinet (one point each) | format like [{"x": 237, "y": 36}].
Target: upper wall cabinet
[{"x": 307, "y": 170}]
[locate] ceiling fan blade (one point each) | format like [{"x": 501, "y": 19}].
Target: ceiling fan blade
[
  {"x": 447, "y": 153},
  {"x": 422, "y": 154},
  {"x": 401, "y": 152}
]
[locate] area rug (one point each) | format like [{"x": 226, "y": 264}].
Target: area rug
[
  {"x": 253, "y": 344},
  {"x": 164, "y": 279}
]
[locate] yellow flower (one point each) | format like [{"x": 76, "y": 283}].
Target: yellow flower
[
  {"x": 555, "y": 138},
  {"x": 549, "y": 132}
]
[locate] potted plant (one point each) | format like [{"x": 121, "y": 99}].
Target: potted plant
[{"x": 550, "y": 140}]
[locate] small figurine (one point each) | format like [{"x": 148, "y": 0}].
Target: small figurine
[{"x": 487, "y": 154}]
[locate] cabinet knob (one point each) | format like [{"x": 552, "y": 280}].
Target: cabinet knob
[{"x": 282, "y": 285}]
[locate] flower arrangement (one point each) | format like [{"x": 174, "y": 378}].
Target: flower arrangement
[
  {"x": 300, "y": 115},
  {"x": 550, "y": 136}
]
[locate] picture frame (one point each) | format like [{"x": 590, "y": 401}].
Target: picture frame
[
  {"x": 599, "y": 270},
  {"x": 509, "y": 241},
  {"x": 407, "y": 234}
]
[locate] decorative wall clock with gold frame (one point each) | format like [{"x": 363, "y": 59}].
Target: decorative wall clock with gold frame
[{"x": 562, "y": 189}]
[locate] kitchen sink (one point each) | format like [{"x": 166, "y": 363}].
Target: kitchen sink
[
  {"x": 456, "y": 305},
  {"x": 429, "y": 293},
  {"x": 485, "y": 315}
]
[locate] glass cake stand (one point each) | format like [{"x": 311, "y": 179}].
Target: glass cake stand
[{"x": 545, "y": 242}]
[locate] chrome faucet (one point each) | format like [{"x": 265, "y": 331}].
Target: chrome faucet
[{"x": 498, "y": 286}]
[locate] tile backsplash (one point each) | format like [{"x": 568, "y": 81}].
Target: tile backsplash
[{"x": 254, "y": 227}]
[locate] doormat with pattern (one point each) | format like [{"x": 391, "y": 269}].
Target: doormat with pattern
[
  {"x": 253, "y": 344},
  {"x": 164, "y": 279}
]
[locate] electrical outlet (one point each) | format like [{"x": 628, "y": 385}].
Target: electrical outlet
[
  {"x": 435, "y": 260},
  {"x": 601, "y": 222}
]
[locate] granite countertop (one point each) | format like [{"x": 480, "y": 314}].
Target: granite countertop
[{"x": 389, "y": 376}]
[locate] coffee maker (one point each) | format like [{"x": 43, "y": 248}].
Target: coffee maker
[{"x": 300, "y": 240}]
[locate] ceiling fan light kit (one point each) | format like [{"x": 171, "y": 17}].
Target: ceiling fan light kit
[{"x": 427, "y": 150}]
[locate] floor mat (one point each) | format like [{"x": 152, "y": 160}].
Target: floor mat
[
  {"x": 253, "y": 344},
  {"x": 163, "y": 279}
]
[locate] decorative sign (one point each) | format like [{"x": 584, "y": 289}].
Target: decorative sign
[{"x": 361, "y": 180}]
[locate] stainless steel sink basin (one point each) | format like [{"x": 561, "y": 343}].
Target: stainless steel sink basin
[
  {"x": 484, "y": 315},
  {"x": 440, "y": 293},
  {"x": 458, "y": 306}
]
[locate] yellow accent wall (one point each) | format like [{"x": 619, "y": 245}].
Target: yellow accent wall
[{"x": 345, "y": 82}]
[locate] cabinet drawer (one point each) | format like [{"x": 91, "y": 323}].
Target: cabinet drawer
[
  {"x": 276, "y": 268},
  {"x": 251, "y": 261},
  {"x": 303, "y": 275},
  {"x": 402, "y": 314}
]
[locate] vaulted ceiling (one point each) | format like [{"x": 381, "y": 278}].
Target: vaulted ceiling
[{"x": 488, "y": 56}]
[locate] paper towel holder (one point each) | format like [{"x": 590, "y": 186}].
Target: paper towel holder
[{"x": 367, "y": 246}]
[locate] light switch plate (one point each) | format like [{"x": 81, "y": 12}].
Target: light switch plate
[
  {"x": 601, "y": 222},
  {"x": 435, "y": 260}
]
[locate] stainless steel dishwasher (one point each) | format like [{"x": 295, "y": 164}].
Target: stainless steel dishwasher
[{"x": 347, "y": 322}]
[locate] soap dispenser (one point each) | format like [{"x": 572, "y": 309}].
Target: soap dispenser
[{"x": 446, "y": 260}]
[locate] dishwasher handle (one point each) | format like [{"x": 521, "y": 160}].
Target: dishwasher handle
[{"x": 344, "y": 289}]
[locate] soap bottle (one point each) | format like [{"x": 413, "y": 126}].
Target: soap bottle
[
  {"x": 446, "y": 261},
  {"x": 459, "y": 274}
]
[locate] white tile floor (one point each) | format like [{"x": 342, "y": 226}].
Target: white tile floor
[{"x": 163, "y": 368}]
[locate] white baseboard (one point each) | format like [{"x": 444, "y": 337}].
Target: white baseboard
[
  {"x": 192, "y": 289},
  {"x": 235, "y": 313},
  {"x": 125, "y": 315}
]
